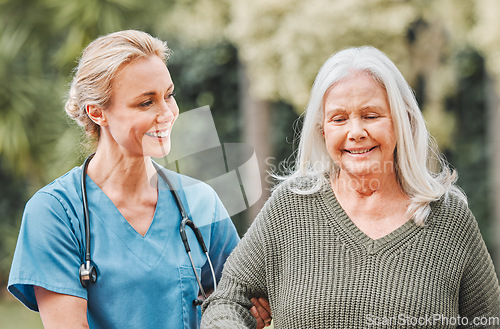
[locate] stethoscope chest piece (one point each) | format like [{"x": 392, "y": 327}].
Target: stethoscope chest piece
[{"x": 88, "y": 274}]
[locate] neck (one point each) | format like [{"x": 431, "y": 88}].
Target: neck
[
  {"x": 120, "y": 173},
  {"x": 365, "y": 186},
  {"x": 377, "y": 206}
]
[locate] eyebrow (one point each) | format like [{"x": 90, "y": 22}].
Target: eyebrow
[
  {"x": 372, "y": 107},
  {"x": 363, "y": 110},
  {"x": 335, "y": 109},
  {"x": 153, "y": 93}
]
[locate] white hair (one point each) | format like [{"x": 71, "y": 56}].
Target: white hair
[{"x": 416, "y": 150}]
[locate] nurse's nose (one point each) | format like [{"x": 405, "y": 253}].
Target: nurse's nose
[{"x": 168, "y": 111}]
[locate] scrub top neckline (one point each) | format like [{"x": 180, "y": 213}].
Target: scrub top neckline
[
  {"x": 105, "y": 201},
  {"x": 102, "y": 209}
]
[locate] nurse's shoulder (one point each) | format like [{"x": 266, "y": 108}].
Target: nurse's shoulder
[
  {"x": 203, "y": 202},
  {"x": 189, "y": 187},
  {"x": 58, "y": 200}
]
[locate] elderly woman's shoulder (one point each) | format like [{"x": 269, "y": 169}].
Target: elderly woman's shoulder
[
  {"x": 299, "y": 187},
  {"x": 451, "y": 202},
  {"x": 452, "y": 209},
  {"x": 290, "y": 199}
]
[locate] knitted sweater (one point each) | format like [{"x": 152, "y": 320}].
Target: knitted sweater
[{"x": 318, "y": 270}]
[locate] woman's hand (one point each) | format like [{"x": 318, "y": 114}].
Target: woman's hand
[{"x": 261, "y": 311}]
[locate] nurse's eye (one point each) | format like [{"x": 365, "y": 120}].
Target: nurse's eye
[
  {"x": 146, "y": 104},
  {"x": 170, "y": 96}
]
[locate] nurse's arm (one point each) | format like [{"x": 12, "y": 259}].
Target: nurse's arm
[{"x": 61, "y": 311}]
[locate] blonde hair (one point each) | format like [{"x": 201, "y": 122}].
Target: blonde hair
[
  {"x": 100, "y": 61},
  {"x": 416, "y": 150}
]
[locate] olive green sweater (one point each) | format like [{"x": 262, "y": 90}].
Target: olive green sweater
[{"x": 318, "y": 270}]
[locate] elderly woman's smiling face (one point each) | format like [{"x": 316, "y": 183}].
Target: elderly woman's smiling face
[{"x": 358, "y": 127}]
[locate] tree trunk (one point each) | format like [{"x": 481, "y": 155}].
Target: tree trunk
[
  {"x": 493, "y": 90},
  {"x": 256, "y": 133}
]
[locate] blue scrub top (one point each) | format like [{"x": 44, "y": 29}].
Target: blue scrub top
[{"x": 143, "y": 281}]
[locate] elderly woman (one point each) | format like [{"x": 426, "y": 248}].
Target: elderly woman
[
  {"x": 100, "y": 246},
  {"x": 362, "y": 233}
]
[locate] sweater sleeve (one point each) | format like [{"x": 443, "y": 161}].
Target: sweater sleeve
[
  {"x": 479, "y": 296},
  {"x": 243, "y": 277}
]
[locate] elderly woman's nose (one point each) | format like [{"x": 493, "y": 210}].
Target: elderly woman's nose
[{"x": 356, "y": 130}]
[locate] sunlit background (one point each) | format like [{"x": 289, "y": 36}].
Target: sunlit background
[{"x": 253, "y": 63}]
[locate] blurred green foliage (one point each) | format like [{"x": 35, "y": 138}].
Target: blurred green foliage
[
  {"x": 14, "y": 315},
  {"x": 471, "y": 151},
  {"x": 12, "y": 200}
]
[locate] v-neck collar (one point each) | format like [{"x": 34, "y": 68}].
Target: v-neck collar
[
  {"x": 102, "y": 208},
  {"x": 353, "y": 233},
  {"x": 105, "y": 201}
]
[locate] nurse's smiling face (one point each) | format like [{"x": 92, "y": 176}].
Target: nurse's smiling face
[{"x": 142, "y": 109}]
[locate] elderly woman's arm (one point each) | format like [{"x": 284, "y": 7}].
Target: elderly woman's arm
[
  {"x": 243, "y": 278},
  {"x": 479, "y": 298}
]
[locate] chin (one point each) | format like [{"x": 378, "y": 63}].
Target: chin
[
  {"x": 156, "y": 150},
  {"x": 158, "y": 153},
  {"x": 363, "y": 169}
]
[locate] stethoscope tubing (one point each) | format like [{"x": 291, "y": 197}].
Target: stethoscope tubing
[
  {"x": 182, "y": 230},
  {"x": 86, "y": 207}
]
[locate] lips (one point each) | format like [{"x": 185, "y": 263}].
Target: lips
[
  {"x": 158, "y": 133},
  {"x": 359, "y": 151}
]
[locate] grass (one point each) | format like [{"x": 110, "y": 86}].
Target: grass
[{"x": 15, "y": 315}]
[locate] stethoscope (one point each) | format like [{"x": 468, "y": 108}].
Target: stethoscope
[{"x": 88, "y": 272}]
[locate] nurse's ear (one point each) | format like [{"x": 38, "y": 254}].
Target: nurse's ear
[{"x": 96, "y": 114}]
